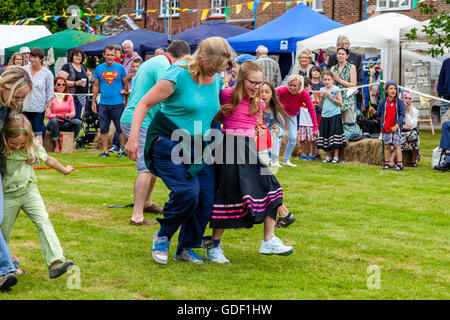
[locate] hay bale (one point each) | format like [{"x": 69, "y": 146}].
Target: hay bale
[
  {"x": 49, "y": 145},
  {"x": 98, "y": 144},
  {"x": 367, "y": 151}
]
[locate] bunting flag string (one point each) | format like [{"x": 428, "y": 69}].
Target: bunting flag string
[{"x": 252, "y": 6}]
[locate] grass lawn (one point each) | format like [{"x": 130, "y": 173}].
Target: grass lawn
[{"x": 355, "y": 223}]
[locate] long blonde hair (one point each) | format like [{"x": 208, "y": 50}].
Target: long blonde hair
[
  {"x": 213, "y": 49},
  {"x": 247, "y": 68},
  {"x": 17, "y": 125},
  {"x": 14, "y": 78}
]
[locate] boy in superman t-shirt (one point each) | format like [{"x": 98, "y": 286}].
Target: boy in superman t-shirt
[{"x": 110, "y": 78}]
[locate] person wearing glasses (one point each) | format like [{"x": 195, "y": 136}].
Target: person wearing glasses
[
  {"x": 190, "y": 92},
  {"x": 247, "y": 193},
  {"x": 61, "y": 113}
]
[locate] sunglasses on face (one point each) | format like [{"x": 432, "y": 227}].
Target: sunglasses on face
[{"x": 60, "y": 84}]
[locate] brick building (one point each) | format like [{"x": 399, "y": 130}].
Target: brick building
[{"x": 343, "y": 11}]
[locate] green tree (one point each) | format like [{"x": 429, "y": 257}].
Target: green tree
[
  {"x": 108, "y": 6},
  {"x": 13, "y": 10},
  {"x": 437, "y": 31}
]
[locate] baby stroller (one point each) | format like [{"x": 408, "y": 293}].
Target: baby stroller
[{"x": 90, "y": 125}]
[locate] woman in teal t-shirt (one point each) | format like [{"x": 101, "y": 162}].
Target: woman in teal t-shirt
[{"x": 190, "y": 94}]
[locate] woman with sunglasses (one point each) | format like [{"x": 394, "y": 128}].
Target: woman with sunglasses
[
  {"x": 247, "y": 192},
  {"x": 61, "y": 113}
]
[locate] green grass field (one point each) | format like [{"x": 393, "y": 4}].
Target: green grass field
[{"x": 355, "y": 224}]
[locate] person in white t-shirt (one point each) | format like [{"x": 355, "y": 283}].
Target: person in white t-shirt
[{"x": 306, "y": 135}]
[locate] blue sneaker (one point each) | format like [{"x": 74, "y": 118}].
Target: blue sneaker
[
  {"x": 188, "y": 256},
  {"x": 302, "y": 157},
  {"x": 309, "y": 158},
  {"x": 160, "y": 250},
  {"x": 114, "y": 148},
  {"x": 104, "y": 154},
  {"x": 122, "y": 153}
]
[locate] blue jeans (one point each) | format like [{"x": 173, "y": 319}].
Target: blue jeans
[
  {"x": 55, "y": 126},
  {"x": 6, "y": 265},
  {"x": 292, "y": 130},
  {"x": 191, "y": 200}
]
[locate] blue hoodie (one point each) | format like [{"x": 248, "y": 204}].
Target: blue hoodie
[
  {"x": 399, "y": 108},
  {"x": 443, "y": 87}
]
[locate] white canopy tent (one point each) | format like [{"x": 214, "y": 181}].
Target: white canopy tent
[
  {"x": 14, "y": 35},
  {"x": 378, "y": 33}
]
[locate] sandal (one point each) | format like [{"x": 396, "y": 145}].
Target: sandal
[
  {"x": 398, "y": 168},
  {"x": 414, "y": 165},
  {"x": 286, "y": 221},
  {"x": 386, "y": 167}
]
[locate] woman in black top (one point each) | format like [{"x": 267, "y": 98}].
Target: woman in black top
[{"x": 77, "y": 79}]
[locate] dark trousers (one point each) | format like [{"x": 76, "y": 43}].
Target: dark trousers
[{"x": 191, "y": 199}]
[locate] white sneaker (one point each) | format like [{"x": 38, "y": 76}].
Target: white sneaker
[
  {"x": 160, "y": 249},
  {"x": 289, "y": 163},
  {"x": 216, "y": 255},
  {"x": 275, "y": 246},
  {"x": 277, "y": 164}
]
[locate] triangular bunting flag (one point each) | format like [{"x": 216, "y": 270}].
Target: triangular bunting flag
[
  {"x": 351, "y": 91},
  {"x": 204, "y": 14},
  {"x": 423, "y": 100},
  {"x": 238, "y": 8},
  {"x": 266, "y": 4},
  {"x": 227, "y": 13},
  {"x": 250, "y": 5},
  {"x": 288, "y": 4}
]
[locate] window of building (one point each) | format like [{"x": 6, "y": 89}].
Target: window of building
[
  {"x": 139, "y": 7},
  {"x": 315, "y": 5},
  {"x": 169, "y": 4},
  {"x": 218, "y": 7},
  {"x": 386, "y": 5}
]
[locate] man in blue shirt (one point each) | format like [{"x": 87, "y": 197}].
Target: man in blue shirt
[
  {"x": 110, "y": 78},
  {"x": 148, "y": 74}
]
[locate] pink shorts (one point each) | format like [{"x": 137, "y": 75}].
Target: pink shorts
[{"x": 306, "y": 134}]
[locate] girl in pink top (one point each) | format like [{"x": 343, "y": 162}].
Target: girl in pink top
[
  {"x": 61, "y": 113},
  {"x": 292, "y": 97},
  {"x": 247, "y": 192}
]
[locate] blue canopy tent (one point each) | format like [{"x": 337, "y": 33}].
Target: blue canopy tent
[
  {"x": 138, "y": 37},
  {"x": 282, "y": 34},
  {"x": 195, "y": 35}
]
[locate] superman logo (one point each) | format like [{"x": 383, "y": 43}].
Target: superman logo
[{"x": 110, "y": 76}]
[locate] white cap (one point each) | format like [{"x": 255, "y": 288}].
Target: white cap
[{"x": 24, "y": 50}]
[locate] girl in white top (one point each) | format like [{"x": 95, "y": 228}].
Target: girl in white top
[{"x": 410, "y": 133}]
